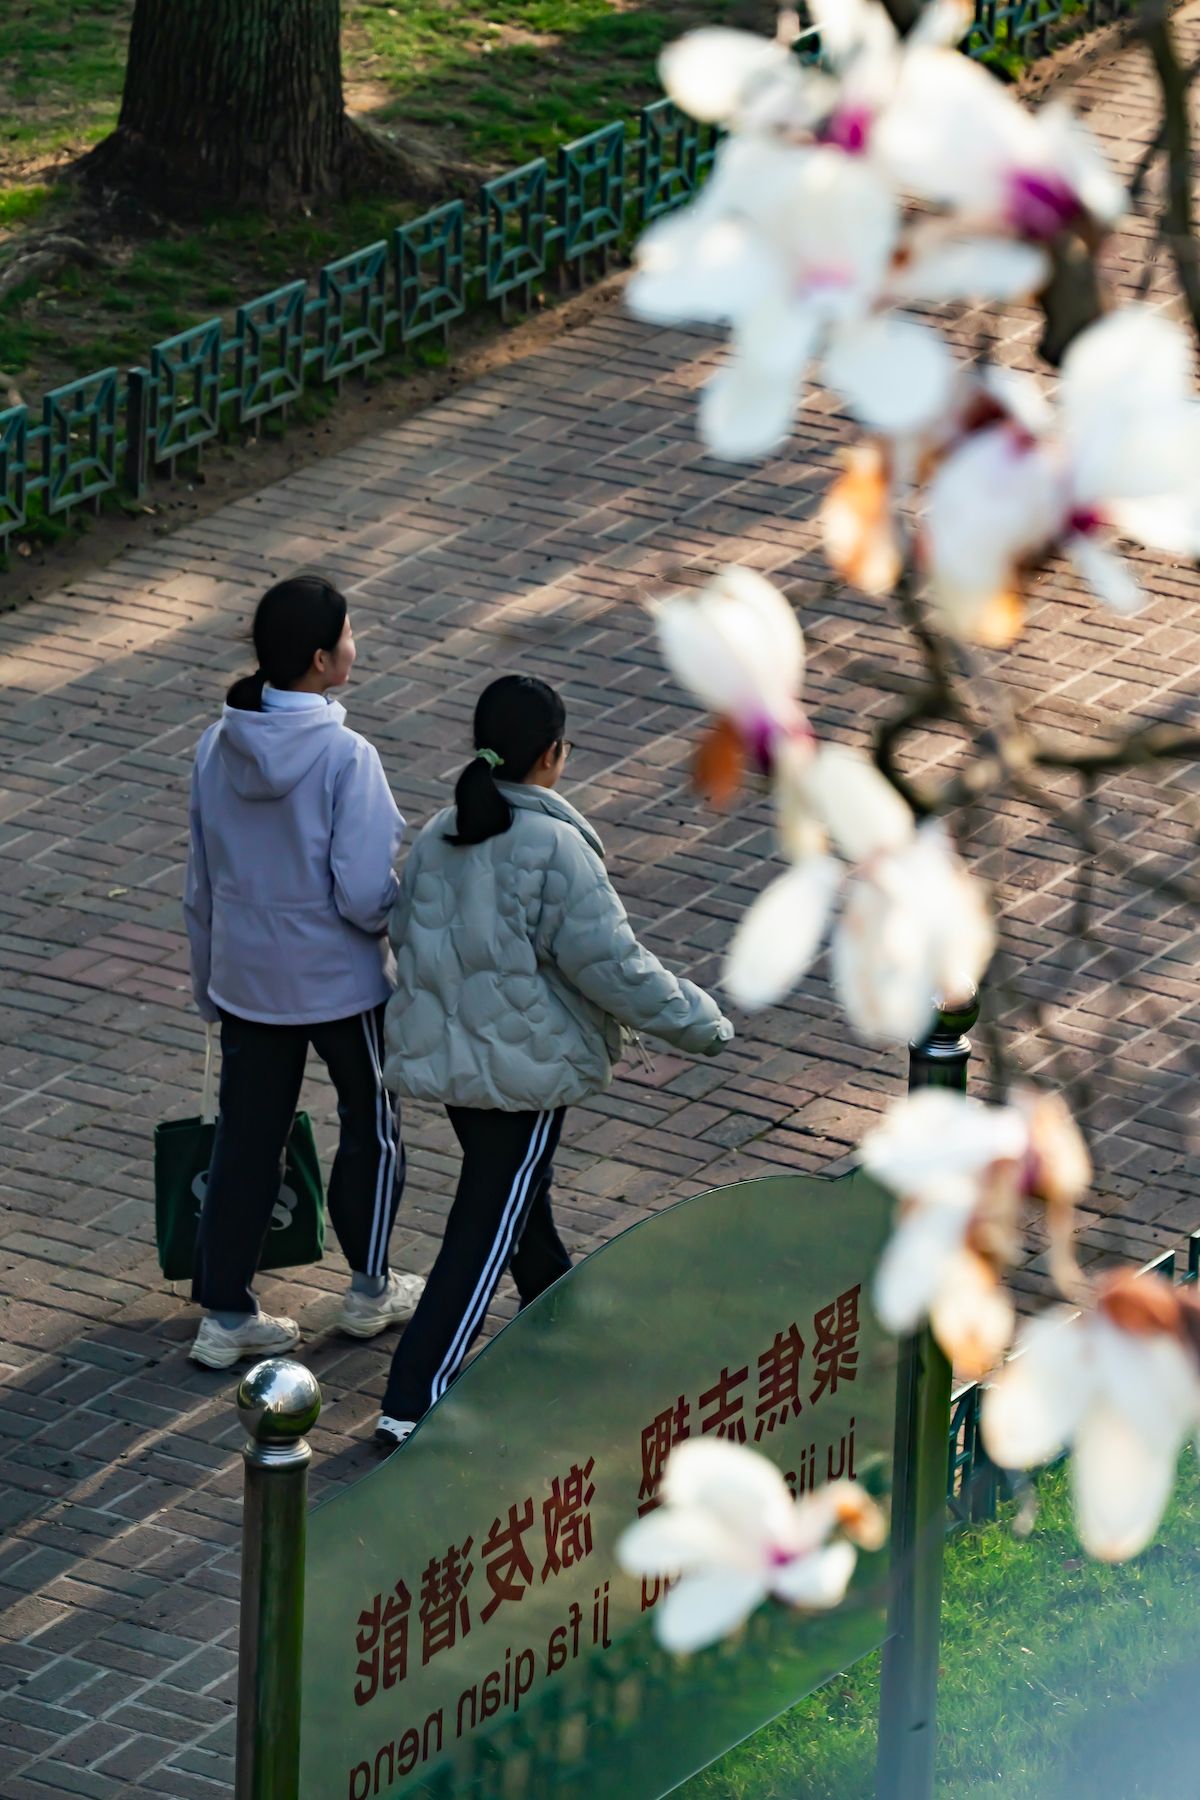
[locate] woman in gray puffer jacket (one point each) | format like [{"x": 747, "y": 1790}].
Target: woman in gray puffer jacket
[{"x": 518, "y": 978}]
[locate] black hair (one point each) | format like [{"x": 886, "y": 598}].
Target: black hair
[
  {"x": 518, "y": 718},
  {"x": 293, "y": 620}
]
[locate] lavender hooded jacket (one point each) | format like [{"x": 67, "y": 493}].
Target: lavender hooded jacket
[{"x": 291, "y": 872}]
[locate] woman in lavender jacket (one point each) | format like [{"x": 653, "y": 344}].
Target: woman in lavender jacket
[{"x": 294, "y": 837}]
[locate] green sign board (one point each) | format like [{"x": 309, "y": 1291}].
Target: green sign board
[{"x": 467, "y": 1627}]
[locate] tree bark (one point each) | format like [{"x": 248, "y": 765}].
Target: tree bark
[{"x": 234, "y": 101}]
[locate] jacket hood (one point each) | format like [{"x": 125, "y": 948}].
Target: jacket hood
[
  {"x": 265, "y": 754},
  {"x": 545, "y": 800}
]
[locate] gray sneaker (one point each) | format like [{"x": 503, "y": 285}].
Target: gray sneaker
[
  {"x": 366, "y": 1315},
  {"x": 219, "y": 1346}
]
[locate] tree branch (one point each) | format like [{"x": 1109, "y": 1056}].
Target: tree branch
[{"x": 1177, "y": 225}]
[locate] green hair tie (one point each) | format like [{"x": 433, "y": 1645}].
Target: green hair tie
[{"x": 490, "y": 757}]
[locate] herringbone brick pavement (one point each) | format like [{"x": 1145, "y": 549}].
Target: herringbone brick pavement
[{"x": 516, "y": 525}]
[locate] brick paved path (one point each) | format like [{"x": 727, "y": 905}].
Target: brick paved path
[{"x": 516, "y": 525}]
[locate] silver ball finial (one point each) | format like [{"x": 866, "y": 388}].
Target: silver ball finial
[{"x": 278, "y": 1401}]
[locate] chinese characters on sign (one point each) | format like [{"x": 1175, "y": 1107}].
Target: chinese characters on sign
[
  {"x": 508, "y": 1570},
  {"x": 784, "y": 1390}
]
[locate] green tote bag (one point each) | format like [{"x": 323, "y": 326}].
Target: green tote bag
[{"x": 182, "y": 1155}]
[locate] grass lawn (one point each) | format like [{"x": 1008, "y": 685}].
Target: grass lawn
[
  {"x": 1060, "y": 1678},
  {"x": 490, "y": 86}
]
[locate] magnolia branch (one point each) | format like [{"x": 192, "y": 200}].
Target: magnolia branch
[{"x": 1177, "y": 222}]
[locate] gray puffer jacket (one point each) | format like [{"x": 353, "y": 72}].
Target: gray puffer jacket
[{"x": 517, "y": 971}]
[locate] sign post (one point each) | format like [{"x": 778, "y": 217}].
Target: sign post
[
  {"x": 908, "y": 1697},
  {"x": 277, "y": 1401}
]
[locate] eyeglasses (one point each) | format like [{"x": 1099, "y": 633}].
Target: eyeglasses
[{"x": 567, "y": 747}]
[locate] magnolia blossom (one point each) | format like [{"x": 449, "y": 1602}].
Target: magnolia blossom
[
  {"x": 955, "y": 135},
  {"x": 737, "y": 646},
  {"x": 1120, "y": 453},
  {"x": 730, "y": 1530},
  {"x": 799, "y": 251},
  {"x": 748, "y": 83},
  {"x": 1120, "y": 1385},
  {"x": 913, "y": 923},
  {"x": 961, "y": 1170}
]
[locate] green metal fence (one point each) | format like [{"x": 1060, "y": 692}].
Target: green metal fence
[{"x": 110, "y": 431}]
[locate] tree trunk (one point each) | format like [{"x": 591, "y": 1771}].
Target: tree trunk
[{"x": 230, "y": 101}]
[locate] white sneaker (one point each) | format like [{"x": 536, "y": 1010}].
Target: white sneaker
[
  {"x": 366, "y": 1315},
  {"x": 219, "y": 1346},
  {"x": 391, "y": 1433}
]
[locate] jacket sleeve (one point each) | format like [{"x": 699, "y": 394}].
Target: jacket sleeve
[
  {"x": 197, "y": 910},
  {"x": 367, "y": 833},
  {"x": 585, "y": 931}
]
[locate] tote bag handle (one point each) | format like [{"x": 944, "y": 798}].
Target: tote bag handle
[{"x": 208, "y": 1093}]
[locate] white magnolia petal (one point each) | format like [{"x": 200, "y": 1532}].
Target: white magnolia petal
[
  {"x": 848, "y": 26},
  {"x": 954, "y": 909},
  {"x": 972, "y": 1317},
  {"x": 731, "y": 1484},
  {"x": 859, "y": 807},
  {"x": 1122, "y": 1481},
  {"x": 916, "y": 1259},
  {"x": 952, "y": 131},
  {"x": 996, "y": 500},
  {"x": 736, "y": 645},
  {"x": 818, "y": 1580},
  {"x": 672, "y": 1539},
  {"x": 1133, "y": 349},
  {"x": 1073, "y": 153},
  {"x": 882, "y": 963},
  {"x": 1033, "y": 1408},
  {"x": 933, "y": 1132},
  {"x": 838, "y": 222},
  {"x": 698, "y": 265},
  {"x": 1148, "y": 1376},
  {"x": 942, "y": 23},
  {"x": 1021, "y": 398},
  {"x": 748, "y": 408},
  {"x": 915, "y": 929},
  {"x": 702, "y": 1609},
  {"x": 1107, "y": 574},
  {"x": 895, "y": 375},
  {"x": 976, "y": 268},
  {"x": 1170, "y": 523},
  {"x": 746, "y": 413},
  {"x": 779, "y": 935},
  {"x": 709, "y": 72}
]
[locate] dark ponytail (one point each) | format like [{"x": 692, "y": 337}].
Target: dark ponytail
[
  {"x": 517, "y": 720},
  {"x": 292, "y": 621}
]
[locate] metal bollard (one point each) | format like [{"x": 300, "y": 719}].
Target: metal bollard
[
  {"x": 277, "y": 1401},
  {"x": 908, "y": 1692}
]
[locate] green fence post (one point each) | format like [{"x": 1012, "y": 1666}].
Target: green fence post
[
  {"x": 908, "y": 1696},
  {"x": 277, "y": 1402}
]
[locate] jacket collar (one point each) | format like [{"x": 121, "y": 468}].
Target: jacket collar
[{"x": 546, "y": 800}]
